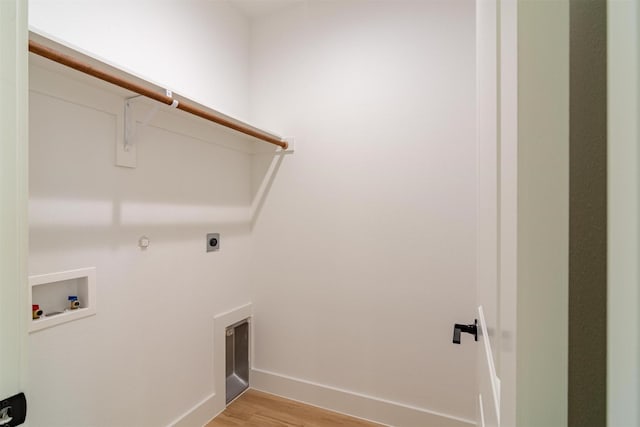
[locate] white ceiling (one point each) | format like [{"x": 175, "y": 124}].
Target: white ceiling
[{"x": 253, "y": 8}]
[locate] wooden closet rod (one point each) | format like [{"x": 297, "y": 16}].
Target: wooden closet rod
[{"x": 71, "y": 62}]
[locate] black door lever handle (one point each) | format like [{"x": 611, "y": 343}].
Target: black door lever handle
[{"x": 469, "y": 329}]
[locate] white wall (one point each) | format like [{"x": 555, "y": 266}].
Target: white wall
[
  {"x": 363, "y": 245},
  {"x": 364, "y": 251},
  {"x": 197, "y": 48},
  {"x": 146, "y": 358}
]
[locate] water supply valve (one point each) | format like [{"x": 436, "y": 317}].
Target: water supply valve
[
  {"x": 74, "y": 304},
  {"x": 36, "y": 312}
]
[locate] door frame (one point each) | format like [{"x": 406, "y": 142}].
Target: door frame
[
  {"x": 539, "y": 299},
  {"x": 13, "y": 196},
  {"x": 623, "y": 140}
]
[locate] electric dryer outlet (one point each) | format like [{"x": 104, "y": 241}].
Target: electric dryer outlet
[{"x": 213, "y": 242}]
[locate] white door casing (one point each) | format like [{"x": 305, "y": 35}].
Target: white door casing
[
  {"x": 13, "y": 196},
  {"x": 623, "y": 140}
]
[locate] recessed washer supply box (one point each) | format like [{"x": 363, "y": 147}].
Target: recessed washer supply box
[{"x": 51, "y": 292}]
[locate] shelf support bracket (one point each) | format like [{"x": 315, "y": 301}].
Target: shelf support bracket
[{"x": 126, "y": 154}]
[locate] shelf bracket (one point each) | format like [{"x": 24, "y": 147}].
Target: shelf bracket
[{"x": 126, "y": 154}]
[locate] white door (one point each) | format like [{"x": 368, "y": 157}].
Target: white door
[
  {"x": 496, "y": 99},
  {"x": 523, "y": 215},
  {"x": 487, "y": 221},
  {"x": 13, "y": 198}
]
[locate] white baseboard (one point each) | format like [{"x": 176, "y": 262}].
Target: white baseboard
[
  {"x": 344, "y": 401},
  {"x": 353, "y": 404},
  {"x": 200, "y": 414}
]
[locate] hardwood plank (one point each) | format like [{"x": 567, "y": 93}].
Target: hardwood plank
[{"x": 258, "y": 409}]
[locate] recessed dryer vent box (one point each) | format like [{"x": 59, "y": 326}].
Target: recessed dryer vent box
[{"x": 237, "y": 359}]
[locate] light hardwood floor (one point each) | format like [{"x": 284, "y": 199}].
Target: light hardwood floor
[{"x": 258, "y": 409}]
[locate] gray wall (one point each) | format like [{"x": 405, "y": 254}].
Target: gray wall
[{"x": 588, "y": 214}]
